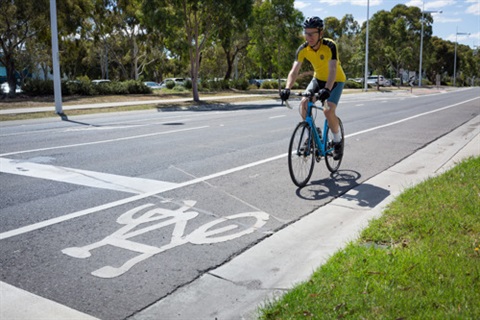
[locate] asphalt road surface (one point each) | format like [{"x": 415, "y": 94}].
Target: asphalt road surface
[{"x": 110, "y": 213}]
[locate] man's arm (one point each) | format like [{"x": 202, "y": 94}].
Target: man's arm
[
  {"x": 292, "y": 75},
  {"x": 332, "y": 74}
]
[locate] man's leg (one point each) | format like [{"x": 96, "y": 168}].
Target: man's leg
[
  {"x": 332, "y": 119},
  {"x": 303, "y": 106}
]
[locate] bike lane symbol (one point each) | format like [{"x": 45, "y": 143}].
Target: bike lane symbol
[{"x": 205, "y": 234}]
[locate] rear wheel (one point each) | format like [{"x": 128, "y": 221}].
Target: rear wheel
[
  {"x": 331, "y": 163},
  {"x": 301, "y": 154}
]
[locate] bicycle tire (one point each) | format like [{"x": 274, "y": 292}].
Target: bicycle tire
[
  {"x": 331, "y": 163},
  {"x": 301, "y": 160}
]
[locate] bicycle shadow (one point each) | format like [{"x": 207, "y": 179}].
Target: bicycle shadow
[{"x": 341, "y": 182}]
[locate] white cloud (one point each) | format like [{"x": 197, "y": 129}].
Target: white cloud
[
  {"x": 474, "y": 8},
  {"x": 439, "y": 18},
  {"x": 431, "y": 5},
  {"x": 300, "y": 5}
]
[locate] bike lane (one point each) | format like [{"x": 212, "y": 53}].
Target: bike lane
[
  {"x": 117, "y": 258},
  {"x": 116, "y": 261}
]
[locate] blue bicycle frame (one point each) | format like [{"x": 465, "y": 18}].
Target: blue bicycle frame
[{"x": 300, "y": 158}]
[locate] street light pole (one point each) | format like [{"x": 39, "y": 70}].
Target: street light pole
[
  {"x": 421, "y": 44},
  {"x": 366, "y": 50},
  {"x": 57, "y": 88},
  {"x": 455, "y": 59}
]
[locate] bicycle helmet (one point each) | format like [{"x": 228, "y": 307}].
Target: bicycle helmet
[{"x": 313, "y": 22}]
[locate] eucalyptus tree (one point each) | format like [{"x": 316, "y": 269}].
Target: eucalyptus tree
[
  {"x": 232, "y": 22},
  {"x": 20, "y": 21},
  {"x": 275, "y": 36},
  {"x": 188, "y": 26},
  {"x": 395, "y": 38}
]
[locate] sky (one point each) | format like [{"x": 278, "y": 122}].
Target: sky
[{"x": 457, "y": 18}]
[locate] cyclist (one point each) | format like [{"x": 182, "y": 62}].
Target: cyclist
[{"x": 328, "y": 78}]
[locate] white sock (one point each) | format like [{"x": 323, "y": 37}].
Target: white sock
[{"x": 337, "y": 137}]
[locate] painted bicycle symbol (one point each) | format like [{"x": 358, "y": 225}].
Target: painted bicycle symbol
[{"x": 203, "y": 235}]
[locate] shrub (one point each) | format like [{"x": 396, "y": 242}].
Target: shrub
[
  {"x": 269, "y": 84},
  {"x": 239, "y": 84},
  {"x": 304, "y": 79},
  {"x": 188, "y": 84},
  {"x": 353, "y": 84},
  {"x": 37, "y": 87},
  {"x": 136, "y": 87},
  {"x": 78, "y": 87},
  {"x": 170, "y": 84},
  {"x": 215, "y": 85}
]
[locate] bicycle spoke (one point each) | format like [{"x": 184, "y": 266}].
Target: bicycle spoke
[
  {"x": 301, "y": 155},
  {"x": 331, "y": 163}
]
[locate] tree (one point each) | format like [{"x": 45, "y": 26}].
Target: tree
[
  {"x": 232, "y": 24},
  {"x": 20, "y": 21},
  {"x": 194, "y": 19},
  {"x": 395, "y": 37},
  {"x": 275, "y": 36}
]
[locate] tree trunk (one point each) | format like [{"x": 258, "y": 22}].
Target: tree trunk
[{"x": 12, "y": 82}]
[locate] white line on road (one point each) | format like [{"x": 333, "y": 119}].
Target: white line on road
[
  {"x": 46, "y": 223},
  {"x": 82, "y": 177},
  {"x": 85, "y": 212},
  {"x": 102, "y": 141},
  {"x": 409, "y": 118}
]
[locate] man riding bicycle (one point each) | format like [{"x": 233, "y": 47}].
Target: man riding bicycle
[{"x": 328, "y": 78}]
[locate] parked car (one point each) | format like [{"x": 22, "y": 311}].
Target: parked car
[
  {"x": 177, "y": 81},
  {"x": 100, "y": 81},
  {"x": 6, "y": 88},
  {"x": 373, "y": 79},
  {"x": 152, "y": 85},
  {"x": 382, "y": 82}
]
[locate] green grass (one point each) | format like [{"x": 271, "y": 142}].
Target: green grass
[{"x": 420, "y": 260}]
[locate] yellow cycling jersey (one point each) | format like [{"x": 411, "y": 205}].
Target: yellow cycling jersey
[{"x": 320, "y": 58}]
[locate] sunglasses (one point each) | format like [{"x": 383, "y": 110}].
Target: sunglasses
[{"x": 310, "y": 34}]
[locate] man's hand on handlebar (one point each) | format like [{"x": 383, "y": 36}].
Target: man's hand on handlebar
[
  {"x": 324, "y": 94},
  {"x": 285, "y": 94}
]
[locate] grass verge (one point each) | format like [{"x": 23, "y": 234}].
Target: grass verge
[{"x": 420, "y": 260}]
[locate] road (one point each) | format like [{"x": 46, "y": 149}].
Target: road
[{"x": 109, "y": 213}]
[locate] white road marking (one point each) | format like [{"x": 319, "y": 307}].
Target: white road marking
[
  {"x": 82, "y": 177},
  {"x": 134, "y": 224},
  {"x": 102, "y": 141},
  {"x": 46, "y": 223},
  {"x": 409, "y": 118},
  {"x": 70, "y": 216}
]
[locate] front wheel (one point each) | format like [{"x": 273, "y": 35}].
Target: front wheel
[
  {"x": 301, "y": 154},
  {"x": 331, "y": 163}
]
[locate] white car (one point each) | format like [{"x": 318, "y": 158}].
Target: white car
[
  {"x": 152, "y": 85},
  {"x": 178, "y": 82},
  {"x": 382, "y": 82},
  {"x": 6, "y": 88},
  {"x": 100, "y": 81}
]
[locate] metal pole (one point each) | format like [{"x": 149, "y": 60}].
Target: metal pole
[
  {"x": 57, "y": 88},
  {"x": 366, "y": 49},
  {"x": 421, "y": 50},
  {"x": 455, "y": 61}
]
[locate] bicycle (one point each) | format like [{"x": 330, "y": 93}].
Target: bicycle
[{"x": 307, "y": 145}]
